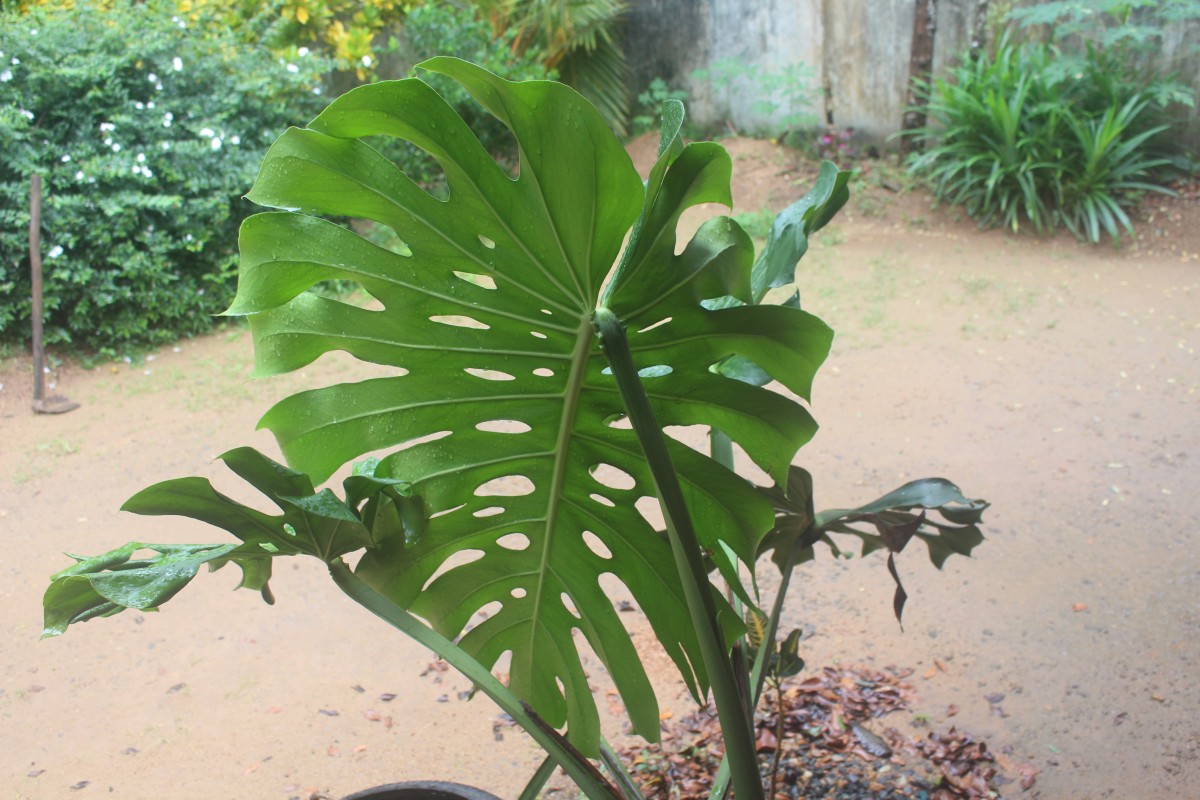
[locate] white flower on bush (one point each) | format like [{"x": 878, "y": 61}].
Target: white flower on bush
[
  {"x": 6, "y": 76},
  {"x": 66, "y": 158},
  {"x": 15, "y": 61},
  {"x": 152, "y": 78},
  {"x": 177, "y": 63},
  {"x": 141, "y": 158},
  {"x": 302, "y": 52},
  {"x": 235, "y": 140},
  {"x": 292, "y": 68},
  {"x": 366, "y": 61},
  {"x": 167, "y": 119},
  {"x": 206, "y": 132},
  {"x": 139, "y": 105},
  {"x": 79, "y": 175},
  {"x": 116, "y": 148},
  {"x": 33, "y": 31},
  {"x": 55, "y": 251},
  {"x": 215, "y": 143},
  {"x": 106, "y": 127},
  {"x": 26, "y": 113},
  {"x": 158, "y": 86}
]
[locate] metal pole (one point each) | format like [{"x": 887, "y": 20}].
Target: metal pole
[
  {"x": 35, "y": 266},
  {"x": 41, "y": 404}
]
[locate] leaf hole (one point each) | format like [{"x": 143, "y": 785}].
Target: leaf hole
[
  {"x": 489, "y": 609},
  {"x": 446, "y": 511},
  {"x": 613, "y": 477},
  {"x": 490, "y": 374},
  {"x": 514, "y": 541},
  {"x": 503, "y": 426},
  {"x": 569, "y": 605},
  {"x": 460, "y": 559},
  {"x": 650, "y": 510},
  {"x": 518, "y": 593},
  {"x": 433, "y": 437},
  {"x": 506, "y": 486},
  {"x": 457, "y": 321},
  {"x": 538, "y": 335},
  {"x": 475, "y": 279},
  {"x": 657, "y": 371},
  {"x": 596, "y": 545},
  {"x": 654, "y": 325},
  {"x": 602, "y": 500},
  {"x": 547, "y": 312},
  {"x": 486, "y": 242},
  {"x": 620, "y": 422},
  {"x": 543, "y": 372},
  {"x": 490, "y": 511}
]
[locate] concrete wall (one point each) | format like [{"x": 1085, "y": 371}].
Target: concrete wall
[{"x": 859, "y": 52}]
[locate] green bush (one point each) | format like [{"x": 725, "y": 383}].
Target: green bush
[
  {"x": 147, "y": 130},
  {"x": 1012, "y": 143}
]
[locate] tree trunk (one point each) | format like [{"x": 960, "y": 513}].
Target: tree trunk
[{"x": 920, "y": 66}]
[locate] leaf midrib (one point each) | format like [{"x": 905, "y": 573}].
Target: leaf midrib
[{"x": 566, "y": 429}]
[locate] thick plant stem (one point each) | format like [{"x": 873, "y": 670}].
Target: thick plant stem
[
  {"x": 581, "y": 771},
  {"x": 759, "y": 673},
  {"x": 731, "y": 710}
]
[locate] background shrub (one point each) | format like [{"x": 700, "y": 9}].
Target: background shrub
[
  {"x": 1012, "y": 140},
  {"x": 147, "y": 129}
]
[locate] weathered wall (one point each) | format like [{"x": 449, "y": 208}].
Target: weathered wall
[{"x": 859, "y": 51}]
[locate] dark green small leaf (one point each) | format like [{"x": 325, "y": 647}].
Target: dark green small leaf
[{"x": 107, "y": 584}]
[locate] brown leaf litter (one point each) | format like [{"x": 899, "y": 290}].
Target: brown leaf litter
[{"x": 833, "y": 745}]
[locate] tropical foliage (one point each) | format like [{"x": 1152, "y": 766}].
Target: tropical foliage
[
  {"x": 1012, "y": 145},
  {"x": 578, "y": 40}
]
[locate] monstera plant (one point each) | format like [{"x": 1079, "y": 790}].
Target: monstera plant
[{"x": 535, "y": 335}]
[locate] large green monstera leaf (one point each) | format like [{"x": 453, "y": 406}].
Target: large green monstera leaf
[
  {"x": 499, "y": 409},
  {"x": 504, "y": 507}
]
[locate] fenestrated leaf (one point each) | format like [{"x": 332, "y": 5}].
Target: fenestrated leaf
[
  {"x": 497, "y": 405},
  {"x": 797, "y": 529}
]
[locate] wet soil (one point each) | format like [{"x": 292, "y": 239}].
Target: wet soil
[{"x": 1057, "y": 380}]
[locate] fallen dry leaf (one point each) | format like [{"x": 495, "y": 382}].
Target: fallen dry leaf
[
  {"x": 360, "y": 748},
  {"x": 929, "y": 673},
  {"x": 1079, "y": 607},
  {"x": 250, "y": 769},
  {"x": 951, "y": 710},
  {"x": 1158, "y": 698},
  {"x": 941, "y": 665}
]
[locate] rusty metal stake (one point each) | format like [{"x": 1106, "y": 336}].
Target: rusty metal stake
[{"x": 56, "y": 404}]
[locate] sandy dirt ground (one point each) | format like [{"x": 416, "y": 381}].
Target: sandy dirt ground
[{"x": 1056, "y": 380}]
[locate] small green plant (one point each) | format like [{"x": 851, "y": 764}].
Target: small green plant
[
  {"x": 784, "y": 97},
  {"x": 524, "y": 415},
  {"x": 756, "y": 223},
  {"x": 649, "y": 105}
]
